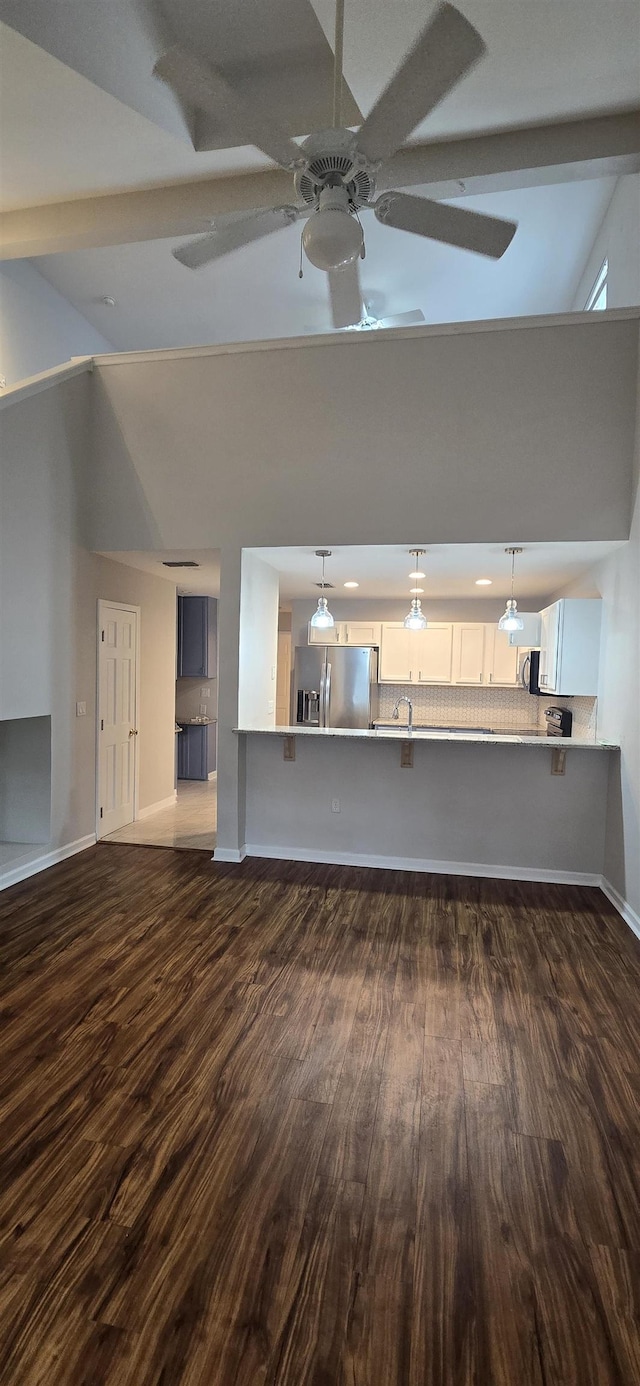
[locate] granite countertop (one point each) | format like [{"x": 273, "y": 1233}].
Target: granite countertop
[
  {"x": 195, "y": 721},
  {"x": 403, "y": 734}
]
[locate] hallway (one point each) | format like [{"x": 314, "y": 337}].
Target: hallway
[{"x": 190, "y": 822}]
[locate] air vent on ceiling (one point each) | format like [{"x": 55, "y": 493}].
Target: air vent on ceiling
[
  {"x": 179, "y": 563},
  {"x": 328, "y": 586}
]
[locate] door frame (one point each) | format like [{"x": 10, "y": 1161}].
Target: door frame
[{"x": 104, "y": 605}]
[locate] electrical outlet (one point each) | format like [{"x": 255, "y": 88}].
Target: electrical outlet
[
  {"x": 203, "y": 709},
  {"x": 289, "y": 748},
  {"x": 406, "y": 755},
  {"x": 81, "y": 709},
  {"x": 558, "y": 761},
  {"x": 273, "y": 673},
  {"x": 335, "y": 805},
  {"x": 270, "y": 705}
]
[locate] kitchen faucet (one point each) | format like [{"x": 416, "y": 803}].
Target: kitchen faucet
[{"x": 409, "y": 703}]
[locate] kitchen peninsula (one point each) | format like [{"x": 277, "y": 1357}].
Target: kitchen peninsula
[{"x": 470, "y": 803}]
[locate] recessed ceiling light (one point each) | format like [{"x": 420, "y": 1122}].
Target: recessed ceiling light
[
  {"x": 416, "y": 591},
  {"x": 351, "y": 584},
  {"x": 108, "y": 301},
  {"x": 417, "y": 575},
  {"x": 483, "y": 582}
]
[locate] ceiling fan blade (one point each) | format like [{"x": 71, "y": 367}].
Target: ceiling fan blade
[
  {"x": 199, "y": 87},
  {"x": 346, "y": 296},
  {"x": 231, "y": 234},
  {"x": 404, "y": 319},
  {"x": 440, "y": 222},
  {"x": 447, "y": 49}
]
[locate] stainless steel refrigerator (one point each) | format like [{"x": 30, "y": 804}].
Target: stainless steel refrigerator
[{"x": 334, "y": 687}]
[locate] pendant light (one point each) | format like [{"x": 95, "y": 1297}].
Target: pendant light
[
  {"x": 415, "y": 619},
  {"x": 322, "y": 618},
  {"x": 511, "y": 620}
]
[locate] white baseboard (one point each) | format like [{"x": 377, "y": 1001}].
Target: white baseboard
[
  {"x": 230, "y": 853},
  {"x": 213, "y": 775},
  {"x": 621, "y": 905},
  {"x": 439, "y": 868},
  {"x": 23, "y": 869},
  {"x": 155, "y": 808}
]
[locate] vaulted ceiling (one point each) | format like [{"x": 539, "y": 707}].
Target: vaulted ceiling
[{"x": 100, "y": 179}]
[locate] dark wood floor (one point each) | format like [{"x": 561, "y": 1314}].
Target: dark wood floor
[{"x": 277, "y": 1124}]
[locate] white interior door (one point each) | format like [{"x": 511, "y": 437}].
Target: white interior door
[{"x": 117, "y": 715}]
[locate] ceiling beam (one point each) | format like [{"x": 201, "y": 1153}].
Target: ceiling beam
[{"x": 535, "y": 155}]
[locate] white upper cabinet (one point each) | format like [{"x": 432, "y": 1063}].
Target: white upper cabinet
[
  {"x": 327, "y": 636},
  {"x": 570, "y": 647},
  {"x": 395, "y": 653},
  {"x": 502, "y": 666},
  {"x": 362, "y": 633},
  {"x": 346, "y": 633},
  {"x": 416, "y": 656},
  {"x": 529, "y": 636},
  {"x": 432, "y": 650},
  {"x": 469, "y": 653}
]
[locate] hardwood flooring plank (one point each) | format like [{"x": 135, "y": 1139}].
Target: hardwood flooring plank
[{"x": 278, "y": 1123}]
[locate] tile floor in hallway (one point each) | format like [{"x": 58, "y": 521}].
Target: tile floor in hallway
[{"x": 190, "y": 822}]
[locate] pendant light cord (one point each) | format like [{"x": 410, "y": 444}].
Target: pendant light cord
[{"x": 513, "y": 564}]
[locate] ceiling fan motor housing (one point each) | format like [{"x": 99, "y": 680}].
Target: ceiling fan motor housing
[{"x": 332, "y": 160}]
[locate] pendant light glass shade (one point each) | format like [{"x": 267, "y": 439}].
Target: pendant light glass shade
[
  {"x": 322, "y": 618},
  {"x": 510, "y": 620},
  {"x": 416, "y": 619}
]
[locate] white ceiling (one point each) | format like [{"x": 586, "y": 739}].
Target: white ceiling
[
  {"x": 65, "y": 136},
  {"x": 382, "y": 571},
  {"x": 255, "y": 292},
  {"x": 203, "y": 581}
]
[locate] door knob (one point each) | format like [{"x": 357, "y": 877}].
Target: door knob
[{"x": 134, "y": 731}]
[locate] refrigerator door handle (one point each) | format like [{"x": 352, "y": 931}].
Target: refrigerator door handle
[{"x": 327, "y": 696}]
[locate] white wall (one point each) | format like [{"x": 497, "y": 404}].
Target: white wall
[
  {"x": 618, "y": 240},
  {"x": 38, "y": 327},
  {"x": 258, "y": 642},
  {"x": 49, "y": 586},
  {"x": 618, "y": 579},
  {"x": 468, "y": 435},
  {"x": 461, "y": 805}
]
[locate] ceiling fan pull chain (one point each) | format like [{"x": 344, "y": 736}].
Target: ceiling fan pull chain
[
  {"x": 300, "y": 273},
  {"x": 337, "y": 65}
]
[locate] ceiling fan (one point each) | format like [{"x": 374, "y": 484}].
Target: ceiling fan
[{"x": 334, "y": 171}]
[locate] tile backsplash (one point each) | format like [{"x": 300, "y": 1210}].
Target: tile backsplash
[
  {"x": 189, "y": 698},
  {"x": 511, "y": 709}
]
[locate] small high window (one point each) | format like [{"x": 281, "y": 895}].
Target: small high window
[{"x": 597, "y": 299}]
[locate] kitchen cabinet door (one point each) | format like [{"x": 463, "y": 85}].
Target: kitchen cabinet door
[
  {"x": 197, "y": 623},
  {"x": 396, "y": 653},
  {"x": 432, "y": 653},
  {"x": 362, "y": 633},
  {"x": 549, "y": 646},
  {"x": 328, "y": 636},
  {"x": 503, "y": 659},
  {"x": 468, "y": 653}
]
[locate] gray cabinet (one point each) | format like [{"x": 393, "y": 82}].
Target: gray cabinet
[
  {"x": 197, "y": 643},
  {"x": 196, "y": 751}
]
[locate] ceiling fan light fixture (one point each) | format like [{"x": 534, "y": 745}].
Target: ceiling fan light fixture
[
  {"x": 332, "y": 238},
  {"x": 510, "y": 620},
  {"x": 322, "y": 618}
]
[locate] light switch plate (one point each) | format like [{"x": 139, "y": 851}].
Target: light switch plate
[
  {"x": 270, "y": 705},
  {"x": 81, "y": 709},
  {"x": 205, "y": 692}
]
